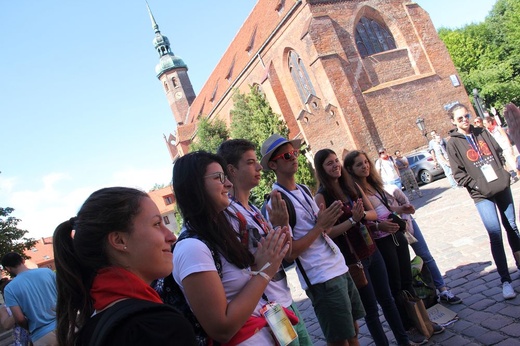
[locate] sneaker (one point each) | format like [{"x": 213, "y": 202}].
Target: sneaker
[
  {"x": 448, "y": 297},
  {"x": 507, "y": 291},
  {"x": 416, "y": 338},
  {"x": 437, "y": 328}
]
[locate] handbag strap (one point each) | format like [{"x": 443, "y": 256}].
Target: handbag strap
[
  {"x": 381, "y": 195},
  {"x": 352, "y": 251}
]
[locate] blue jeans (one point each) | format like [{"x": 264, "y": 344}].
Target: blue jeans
[
  {"x": 396, "y": 182},
  {"x": 449, "y": 174},
  {"x": 421, "y": 249},
  {"x": 378, "y": 290},
  {"x": 487, "y": 209}
]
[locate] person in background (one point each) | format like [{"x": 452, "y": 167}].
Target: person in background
[
  {"x": 512, "y": 116},
  {"x": 321, "y": 270},
  {"x": 477, "y": 164},
  {"x": 21, "y": 336},
  {"x": 106, "y": 257},
  {"x": 477, "y": 122},
  {"x": 336, "y": 184},
  {"x": 31, "y": 296},
  {"x": 229, "y": 308},
  {"x": 437, "y": 149},
  {"x": 500, "y": 135},
  {"x": 407, "y": 175},
  {"x": 244, "y": 171},
  {"x": 387, "y": 169}
]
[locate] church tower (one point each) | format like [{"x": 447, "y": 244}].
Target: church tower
[{"x": 173, "y": 74}]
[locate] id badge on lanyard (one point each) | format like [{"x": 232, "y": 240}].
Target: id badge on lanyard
[
  {"x": 489, "y": 172},
  {"x": 279, "y": 323}
]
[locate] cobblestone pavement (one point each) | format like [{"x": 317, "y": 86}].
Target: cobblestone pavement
[{"x": 459, "y": 243}]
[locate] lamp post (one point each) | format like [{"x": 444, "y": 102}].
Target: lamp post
[
  {"x": 478, "y": 103},
  {"x": 420, "y": 124}
]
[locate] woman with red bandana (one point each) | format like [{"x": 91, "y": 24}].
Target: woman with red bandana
[{"x": 106, "y": 258}]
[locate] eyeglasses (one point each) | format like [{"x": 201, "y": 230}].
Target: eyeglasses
[
  {"x": 461, "y": 119},
  {"x": 221, "y": 176},
  {"x": 287, "y": 156}
]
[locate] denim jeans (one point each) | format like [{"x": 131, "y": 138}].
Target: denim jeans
[
  {"x": 449, "y": 174},
  {"x": 421, "y": 249},
  {"x": 397, "y": 262},
  {"x": 396, "y": 182},
  {"x": 487, "y": 209},
  {"x": 378, "y": 290}
]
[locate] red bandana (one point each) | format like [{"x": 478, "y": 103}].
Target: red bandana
[{"x": 115, "y": 283}]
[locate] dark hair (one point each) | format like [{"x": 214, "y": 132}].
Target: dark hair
[
  {"x": 79, "y": 256},
  {"x": 233, "y": 149},
  {"x": 12, "y": 259},
  {"x": 345, "y": 181},
  {"x": 489, "y": 119},
  {"x": 454, "y": 108},
  {"x": 373, "y": 179},
  {"x": 198, "y": 211}
]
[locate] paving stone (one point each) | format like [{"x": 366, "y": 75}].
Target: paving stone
[
  {"x": 511, "y": 330},
  {"x": 475, "y": 331},
  {"x": 483, "y": 304},
  {"x": 492, "y": 338},
  {"x": 509, "y": 342},
  {"x": 497, "y": 322}
]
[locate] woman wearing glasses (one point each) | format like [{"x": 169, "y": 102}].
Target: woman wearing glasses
[
  {"x": 477, "y": 163},
  {"x": 226, "y": 300}
]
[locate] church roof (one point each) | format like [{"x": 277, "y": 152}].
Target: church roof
[{"x": 255, "y": 31}]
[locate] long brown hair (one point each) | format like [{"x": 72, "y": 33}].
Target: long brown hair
[
  {"x": 346, "y": 184},
  {"x": 373, "y": 179}
]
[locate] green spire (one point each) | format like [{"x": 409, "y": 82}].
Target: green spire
[{"x": 167, "y": 60}]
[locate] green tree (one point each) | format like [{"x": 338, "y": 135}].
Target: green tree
[
  {"x": 252, "y": 118},
  {"x": 12, "y": 239},
  {"x": 157, "y": 187},
  {"x": 209, "y": 135},
  {"x": 487, "y": 55}
]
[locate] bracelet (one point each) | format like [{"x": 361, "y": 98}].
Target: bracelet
[
  {"x": 264, "y": 275},
  {"x": 352, "y": 221},
  {"x": 377, "y": 226}
]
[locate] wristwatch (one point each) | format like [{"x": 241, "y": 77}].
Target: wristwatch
[{"x": 352, "y": 221}]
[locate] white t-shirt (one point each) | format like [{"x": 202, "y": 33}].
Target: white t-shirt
[
  {"x": 193, "y": 256},
  {"x": 387, "y": 170},
  {"x": 322, "y": 260},
  {"x": 277, "y": 290}
]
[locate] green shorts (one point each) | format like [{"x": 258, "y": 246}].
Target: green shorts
[{"x": 337, "y": 306}]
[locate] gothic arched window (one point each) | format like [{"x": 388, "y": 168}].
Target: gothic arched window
[
  {"x": 300, "y": 76},
  {"x": 372, "y": 37}
]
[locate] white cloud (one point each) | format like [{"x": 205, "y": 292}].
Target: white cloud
[{"x": 53, "y": 201}]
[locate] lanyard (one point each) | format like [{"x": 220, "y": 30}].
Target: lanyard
[
  {"x": 256, "y": 216},
  {"x": 311, "y": 212},
  {"x": 474, "y": 145}
]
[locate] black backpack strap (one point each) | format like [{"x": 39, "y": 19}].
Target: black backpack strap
[{"x": 119, "y": 313}]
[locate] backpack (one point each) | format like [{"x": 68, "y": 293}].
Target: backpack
[
  {"x": 423, "y": 282},
  {"x": 288, "y": 203},
  {"x": 171, "y": 293},
  {"x": 119, "y": 313}
]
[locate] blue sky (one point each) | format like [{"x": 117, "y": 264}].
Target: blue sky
[{"x": 80, "y": 105}]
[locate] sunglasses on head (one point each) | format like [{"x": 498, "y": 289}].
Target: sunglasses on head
[
  {"x": 460, "y": 119},
  {"x": 287, "y": 156},
  {"x": 221, "y": 176}
]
